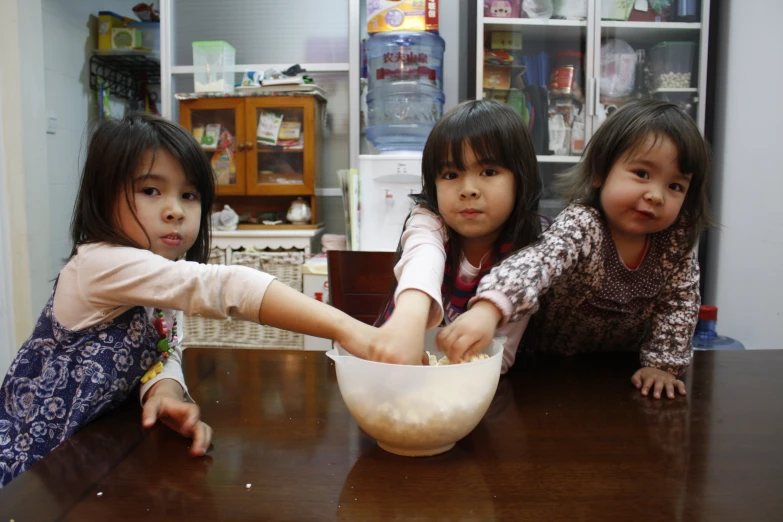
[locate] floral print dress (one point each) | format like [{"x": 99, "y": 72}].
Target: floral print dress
[
  {"x": 585, "y": 299},
  {"x": 61, "y": 380}
]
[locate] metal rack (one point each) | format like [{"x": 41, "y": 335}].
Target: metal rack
[{"x": 124, "y": 74}]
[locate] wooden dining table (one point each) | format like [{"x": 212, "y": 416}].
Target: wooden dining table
[{"x": 565, "y": 438}]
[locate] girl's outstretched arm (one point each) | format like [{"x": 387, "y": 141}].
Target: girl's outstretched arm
[
  {"x": 285, "y": 308},
  {"x": 511, "y": 291},
  {"x": 401, "y": 339},
  {"x": 417, "y": 297}
]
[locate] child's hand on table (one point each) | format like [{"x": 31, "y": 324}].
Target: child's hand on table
[
  {"x": 164, "y": 402},
  {"x": 646, "y": 378}
]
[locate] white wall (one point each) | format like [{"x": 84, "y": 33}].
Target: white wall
[
  {"x": 34, "y": 148},
  {"x": 8, "y": 344},
  {"x": 745, "y": 271},
  {"x": 69, "y": 36},
  {"x": 11, "y": 85}
]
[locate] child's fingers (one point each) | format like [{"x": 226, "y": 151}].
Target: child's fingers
[
  {"x": 636, "y": 379},
  {"x": 680, "y": 386},
  {"x": 202, "y": 437},
  {"x": 180, "y": 416},
  {"x": 151, "y": 412},
  {"x": 475, "y": 348},
  {"x": 658, "y": 388},
  {"x": 445, "y": 340},
  {"x": 460, "y": 347},
  {"x": 670, "y": 390},
  {"x": 191, "y": 416},
  {"x": 646, "y": 385}
]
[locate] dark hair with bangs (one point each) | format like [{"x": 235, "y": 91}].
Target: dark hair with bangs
[
  {"x": 114, "y": 155},
  {"x": 493, "y": 131},
  {"x": 627, "y": 131}
]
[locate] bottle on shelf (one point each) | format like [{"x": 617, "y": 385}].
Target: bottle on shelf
[{"x": 706, "y": 336}]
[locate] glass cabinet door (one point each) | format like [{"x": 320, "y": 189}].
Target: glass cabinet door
[
  {"x": 653, "y": 53},
  {"x": 536, "y": 63},
  {"x": 537, "y": 66},
  {"x": 218, "y": 125},
  {"x": 282, "y": 156}
]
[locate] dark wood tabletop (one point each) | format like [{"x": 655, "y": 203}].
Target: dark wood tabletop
[{"x": 564, "y": 439}]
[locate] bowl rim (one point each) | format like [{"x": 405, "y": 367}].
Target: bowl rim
[{"x": 338, "y": 352}]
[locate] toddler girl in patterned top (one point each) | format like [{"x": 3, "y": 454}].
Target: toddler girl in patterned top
[
  {"x": 143, "y": 205},
  {"x": 617, "y": 270},
  {"x": 480, "y": 192}
]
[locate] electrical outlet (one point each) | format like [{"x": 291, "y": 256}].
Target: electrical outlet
[
  {"x": 51, "y": 125},
  {"x": 402, "y": 168}
]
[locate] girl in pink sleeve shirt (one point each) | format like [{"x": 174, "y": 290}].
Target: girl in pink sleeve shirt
[
  {"x": 140, "y": 235},
  {"x": 478, "y": 204}
]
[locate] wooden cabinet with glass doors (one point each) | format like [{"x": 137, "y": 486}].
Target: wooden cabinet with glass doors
[{"x": 264, "y": 150}]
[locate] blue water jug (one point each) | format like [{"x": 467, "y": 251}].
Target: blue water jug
[
  {"x": 404, "y": 56},
  {"x": 401, "y": 115},
  {"x": 706, "y": 336}
]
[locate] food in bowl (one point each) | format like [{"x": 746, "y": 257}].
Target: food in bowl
[
  {"x": 417, "y": 410},
  {"x": 443, "y": 361}
]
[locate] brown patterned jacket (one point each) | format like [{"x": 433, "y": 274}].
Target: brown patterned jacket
[{"x": 588, "y": 300}]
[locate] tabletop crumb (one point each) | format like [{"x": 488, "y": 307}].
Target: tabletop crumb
[
  {"x": 248, "y": 486},
  {"x": 100, "y": 493}
]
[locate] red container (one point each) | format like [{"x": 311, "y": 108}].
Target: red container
[{"x": 566, "y": 79}]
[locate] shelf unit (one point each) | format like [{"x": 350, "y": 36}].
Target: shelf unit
[
  {"x": 124, "y": 73},
  {"x": 587, "y": 35}
]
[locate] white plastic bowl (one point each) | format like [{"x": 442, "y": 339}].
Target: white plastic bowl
[{"x": 417, "y": 410}]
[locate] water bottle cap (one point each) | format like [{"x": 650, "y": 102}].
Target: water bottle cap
[{"x": 708, "y": 313}]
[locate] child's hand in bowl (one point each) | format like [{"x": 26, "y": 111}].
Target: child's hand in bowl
[
  {"x": 471, "y": 332},
  {"x": 399, "y": 342},
  {"x": 401, "y": 339}
]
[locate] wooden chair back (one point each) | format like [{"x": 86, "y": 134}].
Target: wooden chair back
[{"x": 359, "y": 282}]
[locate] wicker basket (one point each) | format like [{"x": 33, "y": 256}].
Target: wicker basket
[{"x": 231, "y": 333}]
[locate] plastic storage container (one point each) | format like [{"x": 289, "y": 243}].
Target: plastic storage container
[
  {"x": 706, "y": 336},
  {"x": 213, "y": 66},
  {"x": 671, "y": 64},
  {"x": 687, "y": 101},
  {"x": 150, "y": 34},
  {"x": 417, "y": 410},
  {"x": 405, "y": 56},
  {"x": 618, "y": 68}
]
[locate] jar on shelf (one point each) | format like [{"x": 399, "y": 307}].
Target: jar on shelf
[{"x": 567, "y": 80}]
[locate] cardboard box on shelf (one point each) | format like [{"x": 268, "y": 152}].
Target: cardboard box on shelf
[{"x": 402, "y": 15}]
